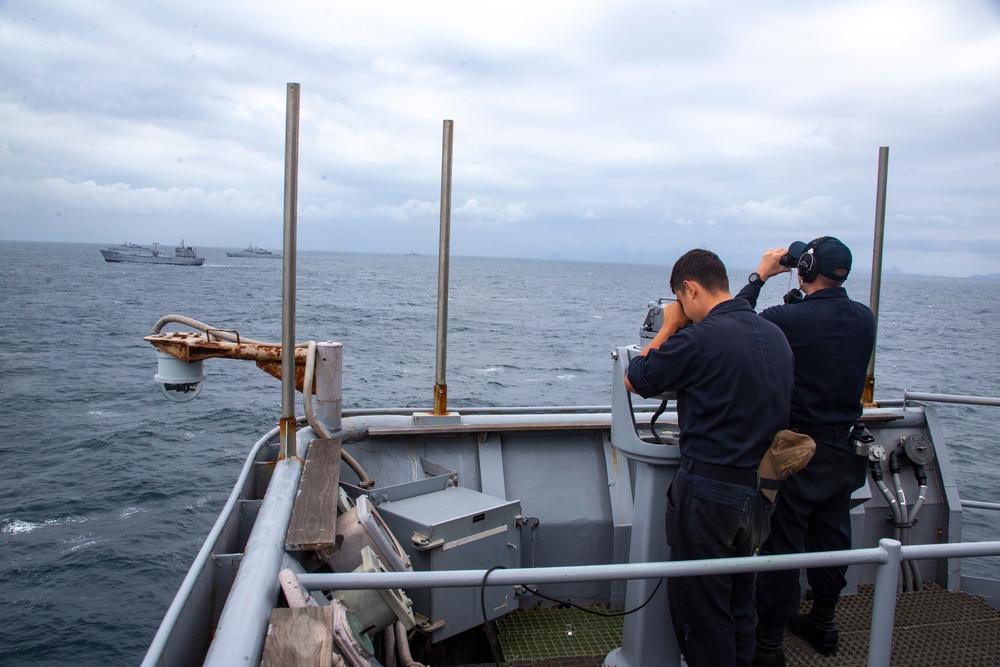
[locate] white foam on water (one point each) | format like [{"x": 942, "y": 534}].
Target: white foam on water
[
  {"x": 17, "y": 526},
  {"x": 105, "y": 414},
  {"x": 196, "y": 504}
]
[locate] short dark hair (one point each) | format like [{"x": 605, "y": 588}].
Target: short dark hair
[{"x": 701, "y": 266}]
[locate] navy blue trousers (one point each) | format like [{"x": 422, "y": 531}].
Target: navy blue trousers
[
  {"x": 713, "y": 614},
  {"x": 812, "y": 513}
]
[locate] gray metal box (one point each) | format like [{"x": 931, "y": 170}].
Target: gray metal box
[{"x": 456, "y": 529}]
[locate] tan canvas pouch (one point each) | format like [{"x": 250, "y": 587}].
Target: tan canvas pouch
[{"x": 789, "y": 453}]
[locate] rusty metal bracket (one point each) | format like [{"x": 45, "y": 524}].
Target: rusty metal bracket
[
  {"x": 208, "y": 333},
  {"x": 189, "y": 347}
]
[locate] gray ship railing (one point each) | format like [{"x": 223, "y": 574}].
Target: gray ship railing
[
  {"x": 959, "y": 399},
  {"x": 886, "y": 557},
  {"x": 979, "y": 505},
  {"x": 950, "y": 398}
]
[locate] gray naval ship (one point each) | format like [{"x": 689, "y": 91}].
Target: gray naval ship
[
  {"x": 529, "y": 535},
  {"x": 252, "y": 251},
  {"x": 183, "y": 255}
]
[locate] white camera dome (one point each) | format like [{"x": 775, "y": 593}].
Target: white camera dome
[{"x": 178, "y": 381}]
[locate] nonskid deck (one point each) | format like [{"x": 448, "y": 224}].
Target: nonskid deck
[{"x": 933, "y": 627}]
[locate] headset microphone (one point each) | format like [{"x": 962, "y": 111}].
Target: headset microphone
[{"x": 793, "y": 296}]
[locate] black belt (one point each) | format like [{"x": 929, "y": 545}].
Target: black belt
[
  {"x": 828, "y": 432},
  {"x": 744, "y": 476}
]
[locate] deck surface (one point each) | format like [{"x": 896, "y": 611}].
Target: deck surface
[{"x": 933, "y": 627}]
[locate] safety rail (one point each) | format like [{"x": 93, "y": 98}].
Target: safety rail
[
  {"x": 980, "y": 505},
  {"x": 958, "y": 399},
  {"x": 886, "y": 557},
  {"x": 950, "y": 398}
]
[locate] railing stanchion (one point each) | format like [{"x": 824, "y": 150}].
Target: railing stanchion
[{"x": 884, "y": 605}]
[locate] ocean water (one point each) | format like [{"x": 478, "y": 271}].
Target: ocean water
[{"x": 107, "y": 489}]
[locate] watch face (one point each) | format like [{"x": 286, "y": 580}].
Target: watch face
[{"x": 755, "y": 278}]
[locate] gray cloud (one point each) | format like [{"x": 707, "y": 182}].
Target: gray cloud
[{"x": 590, "y": 130}]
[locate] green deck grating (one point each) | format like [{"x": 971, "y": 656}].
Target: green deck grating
[
  {"x": 934, "y": 627},
  {"x": 558, "y": 633}
]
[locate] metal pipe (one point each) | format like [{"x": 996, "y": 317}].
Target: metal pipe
[
  {"x": 868, "y": 397},
  {"x": 389, "y": 645},
  {"x": 979, "y": 505},
  {"x": 239, "y": 635},
  {"x": 921, "y": 499},
  {"x": 623, "y": 571},
  {"x": 403, "y": 647},
  {"x": 329, "y": 383},
  {"x": 890, "y": 499},
  {"x": 951, "y": 398},
  {"x": 288, "y": 273},
  {"x": 950, "y": 550},
  {"x": 319, "y": 427},
  {"x": 569, "y": 409},
  {"x": 884, "y": 604},
  {"x": 444, "y": 251},
  {"x": 912, "y": 518},
  {"x": 902, "y": 532},
  {"x": 201, "y": 326},
  {"x": 642, "y": 411},
  {"x": 893, "y": 506},
  {"x": 577, "y": 573}
]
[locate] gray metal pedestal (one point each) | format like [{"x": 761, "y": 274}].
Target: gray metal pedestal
[{"x": 647, "y": 636}]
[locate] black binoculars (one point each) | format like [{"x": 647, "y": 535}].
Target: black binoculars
[{"x": 788, "y": 261}]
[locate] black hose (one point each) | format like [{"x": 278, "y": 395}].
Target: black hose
[
  {"x": 652, "y": 422},
  {"x": 491, "y": 634},
  {"x": 875, "y": 470},
  {"x": 615, "y": 614}
]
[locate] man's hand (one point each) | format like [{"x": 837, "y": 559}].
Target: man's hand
[
  {"x": 674, "y": 320},
  {"x": 770, "y": 263},
  {"x": 674, "y": 317}
]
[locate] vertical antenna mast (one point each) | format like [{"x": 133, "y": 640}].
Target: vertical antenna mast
[
  {"x": 444, "y": 250},
  {"x": 868, "y": 396},
  {"x": 287, "y": 424}
]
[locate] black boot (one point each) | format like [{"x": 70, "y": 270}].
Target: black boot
[
  {"x": 769, "y": 652},
  {"x": 818, "y": 627}
]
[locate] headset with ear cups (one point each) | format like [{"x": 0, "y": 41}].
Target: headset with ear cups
[{"x": 808, "y": 267}]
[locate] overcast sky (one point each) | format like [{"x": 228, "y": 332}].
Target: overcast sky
[{"x": 588, "y": 130}]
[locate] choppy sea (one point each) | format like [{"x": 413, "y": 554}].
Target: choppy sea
[{"x": 107, "y": 489}]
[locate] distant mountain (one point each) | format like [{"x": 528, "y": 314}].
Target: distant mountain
[
  {"x": 991, "y": 276},
  {"x": 624, "y": 256},
  {"x": 894, "y": 271}
]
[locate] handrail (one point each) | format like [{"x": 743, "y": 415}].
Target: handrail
[
  {"x": 533, "y": 409},
  {"x": 979, "y": 505},
  {"x": 625, "y": 571},
  {"x": 950, "y": 398}
]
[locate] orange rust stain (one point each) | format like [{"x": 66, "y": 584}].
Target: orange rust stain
[{"x": 440, "y": 399}]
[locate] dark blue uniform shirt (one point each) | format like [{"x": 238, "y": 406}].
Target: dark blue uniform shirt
[
  {"x": 832, "y": 339},
  {"x": 733, "y": 376}
]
